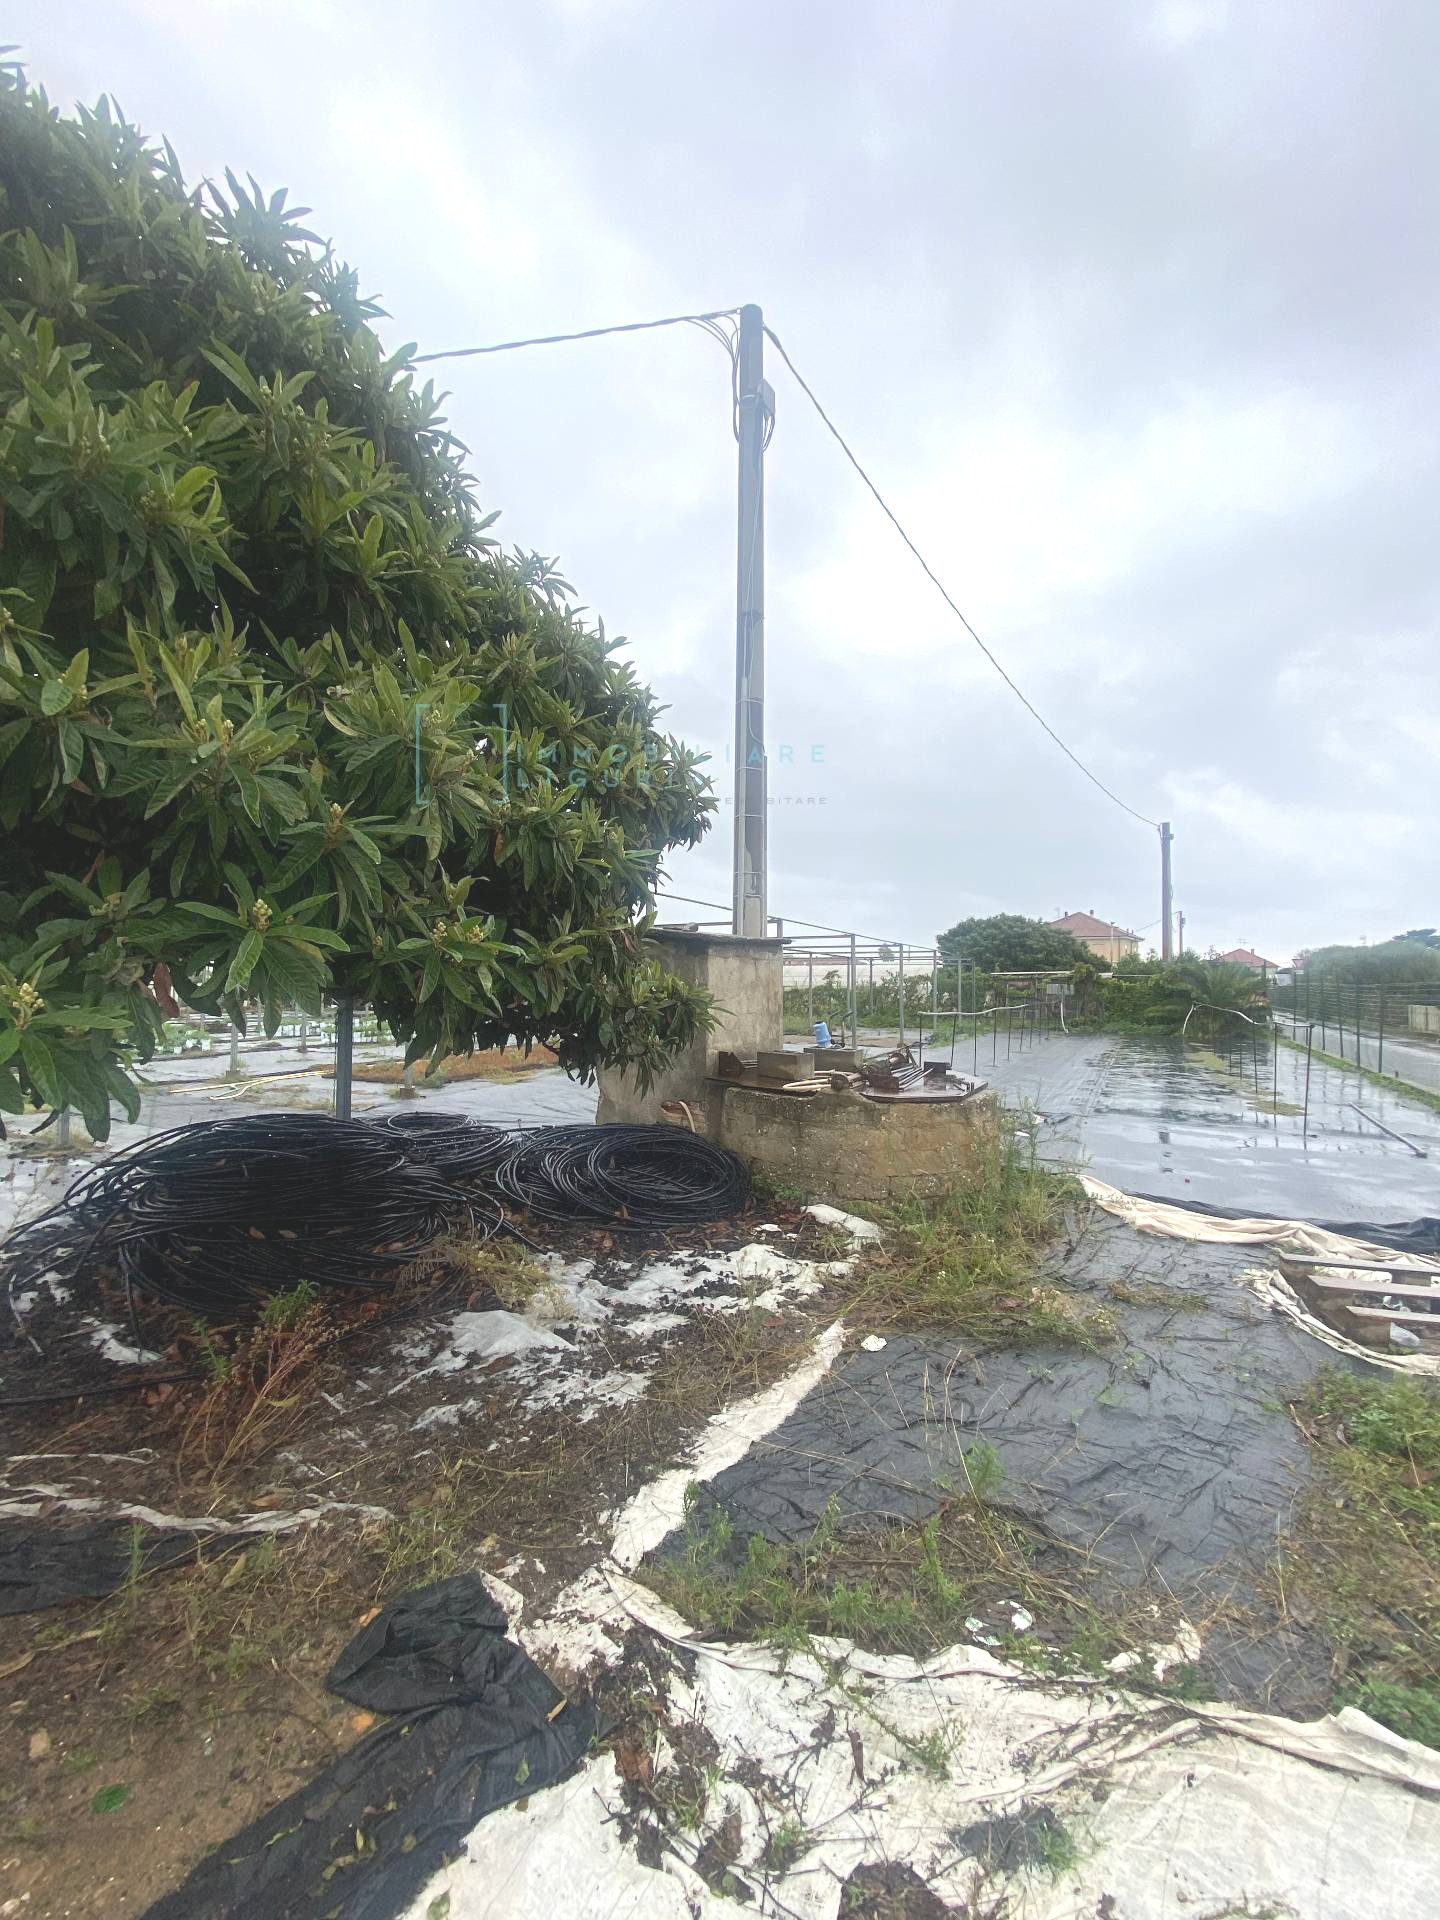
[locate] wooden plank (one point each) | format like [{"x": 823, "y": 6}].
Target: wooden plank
[
  {"x": 1431, "y": 1320},
  {"x": 1374, "y": 1286},
  {"x": 1354, "y": 1266}
]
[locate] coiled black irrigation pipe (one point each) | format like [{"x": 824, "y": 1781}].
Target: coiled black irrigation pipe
[{"x": 221, "y": 1215}]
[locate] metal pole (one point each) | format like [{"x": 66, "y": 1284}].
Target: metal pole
[
  {"x": 304, "y": 1033},
  {"x": 870, "y": 989},
  {"x": 234, "y": 1067},
  {"x": 1380, "y": 1063},
  {"x": 934, "y": 989},
  {"x": 755, "y": 404},
  {"x": 854, "y": 1033},
  {"x": 1167, "y": 918},
  {"x": 1309, "y": 1049},
  {"x": 810, "y": 992},
  {"x": 344, "y": 1052},
  {"x": 1180, "y": 943},
  {"x": 975, "y": 1024},
  {"x": 901, "y": 996}
]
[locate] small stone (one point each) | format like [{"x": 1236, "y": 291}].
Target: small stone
[{"x": 39, "y": 1745}]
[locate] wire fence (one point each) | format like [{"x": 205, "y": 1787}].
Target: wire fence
[{"x": 1391, "y": 1028}]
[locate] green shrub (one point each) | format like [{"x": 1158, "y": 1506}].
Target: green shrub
[{"x": 278, "y": 717}]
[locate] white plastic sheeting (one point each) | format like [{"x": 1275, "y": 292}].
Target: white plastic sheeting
[
  {"x": 1294, "y": 1236},
  {"x": 1172, "y": 1811}
]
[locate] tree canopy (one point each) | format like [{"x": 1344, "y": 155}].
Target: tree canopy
[
  {"x": 278, "y": 716},
  {"x": 1007, "y": 942},
  {"x": 1410, "y": 958}
]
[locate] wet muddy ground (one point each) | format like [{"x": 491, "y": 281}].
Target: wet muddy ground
[{"x": 499, "y": 1434}]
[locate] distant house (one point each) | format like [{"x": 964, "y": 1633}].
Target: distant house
[
  {"x": 1244, "y": 957},
  {"x": 1104, "y": 938}
]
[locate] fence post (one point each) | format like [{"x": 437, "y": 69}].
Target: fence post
[
  {"x": 344, "y": 1052},
  {"x": 854, "y": 1029},
  {"x": 1309, "y": 1048},
  {"x": 900, "y": 996},
  {"x": 1380, "y": 1063}
]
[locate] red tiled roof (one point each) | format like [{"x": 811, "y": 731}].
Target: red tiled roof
[
  {"x": 1246, "y": 958},
  {"x": 1086, "y": 926}
]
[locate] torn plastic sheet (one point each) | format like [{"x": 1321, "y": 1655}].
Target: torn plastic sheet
[
  {"x": 1419, "y": 1236},
  {"x": 49, "y": 1562},
  {"x": 1298, "y": 1236},
  {"x": 479, "y": 1726},
  {"x": 1171, "y": 1811}
]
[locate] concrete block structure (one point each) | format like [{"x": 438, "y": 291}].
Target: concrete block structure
[
  {"x": 745, "y": 978},
  {"x": 843, "y": 1146}
]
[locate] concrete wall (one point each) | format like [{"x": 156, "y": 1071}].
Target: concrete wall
[
  {"x": 744, "y": 977},
  {"x": 841, "y": 1146}
]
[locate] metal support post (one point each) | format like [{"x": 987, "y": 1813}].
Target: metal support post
[
  {"x": 900, "y": 997},
  {"x": 810, "y": 992},
  {"x": 854, "y": 1030},
  {"x": 1380, "y": 1063},
  {"x": 1309, "y": 1049},
  {"x": 344, "y": 1052},
  {"x": 755, "y": 406}
]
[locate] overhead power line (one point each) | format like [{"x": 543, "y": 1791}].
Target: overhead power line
[
  {"x": 1034, "y": 713},
  {"x": 712, "y": 323},
  {"x": 706, "y": 320}
]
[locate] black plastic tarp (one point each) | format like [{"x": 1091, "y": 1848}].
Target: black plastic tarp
[
  {"x": 52, "y": 1562},
  {"x": 1404, "y": 1236},
  {"x": 1165, "y": 1457},
  {"x": 478, "y": 1725}
]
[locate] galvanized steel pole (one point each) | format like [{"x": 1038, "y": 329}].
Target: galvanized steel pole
[
  {"x": 344, "y": 1052},
  {"x": 755, "y": 407},
  {"x": 1167, "y": 918}
]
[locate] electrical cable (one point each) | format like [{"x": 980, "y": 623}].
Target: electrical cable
[
  {"x": 707, "y": 320},
  {"x": 1034, "y": 713}
]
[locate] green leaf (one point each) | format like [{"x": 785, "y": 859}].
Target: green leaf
[
  {"x": 55, "y": 697},
  {"x": 243, "y": 965},
  {"x": 109, "y": 1798},
  {"x": 40, "y": 1065}
]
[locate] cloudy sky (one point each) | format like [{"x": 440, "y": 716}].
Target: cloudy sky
[{"x": 1128, "y": 306}]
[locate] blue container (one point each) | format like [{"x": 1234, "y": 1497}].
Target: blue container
[{"x": 822, "y": 1034}]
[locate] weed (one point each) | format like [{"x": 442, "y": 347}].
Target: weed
[
  {"x": 966, "y": 1259},
  {"x": 426, "y": 1542},
  {"x": 284, "y": 1311},
  {"x": 79, "y": 1760},
  {"x": 259, "y": 1392},
  {"x": 786, "y": 1843},
  {"x": 214, "y": 1360},
  {"x": 1058, "y": 1850},
  {"x": 155, "y": 1704},
  {"x": 1145, "y": 1293},
  {"x": 1365, "y": 1550},
  {"x": 1413, "y": 1712}
]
